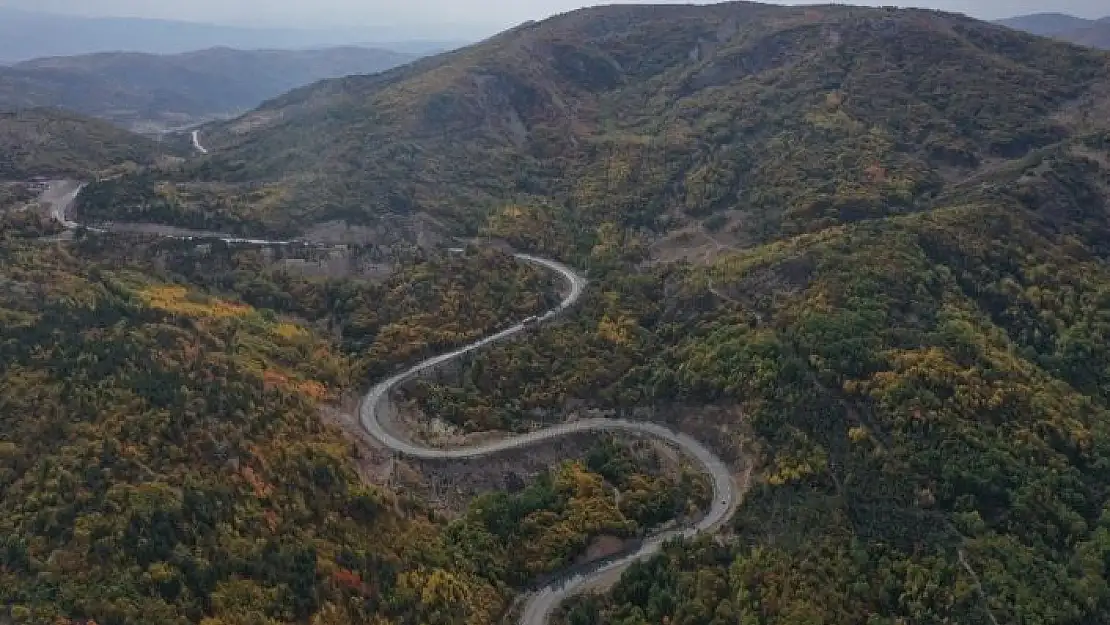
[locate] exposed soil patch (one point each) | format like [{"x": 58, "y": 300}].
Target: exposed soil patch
[{"x": 375, "y": 463}]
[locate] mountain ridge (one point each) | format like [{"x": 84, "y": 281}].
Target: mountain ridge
[
  {"x": 461, "y": 134},
  {"x": 145, "y": 90},
  {"x": 1088, "y": 32},
  {"x": 1046, "y": 24},
  {"x": 26, "y": 35}
]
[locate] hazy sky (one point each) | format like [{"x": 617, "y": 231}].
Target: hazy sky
[{"x": 467, "y": 14}]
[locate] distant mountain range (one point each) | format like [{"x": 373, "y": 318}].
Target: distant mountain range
[
  {"x": 148, "y": 92},
  {"x": 27, "y": 35},
  {"x": 1093, "y": 33}
]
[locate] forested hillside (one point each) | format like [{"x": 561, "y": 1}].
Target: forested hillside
[
  {"x": 862, "y": 251},
  {"x": 929, "y": 400},
  {"x": 755, "y": 119},
  {"x": 162, "y": 454},
  {"x": 46, "y": 142}
]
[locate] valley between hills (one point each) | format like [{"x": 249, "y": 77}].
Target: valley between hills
[{"x": 832, "y": 350}]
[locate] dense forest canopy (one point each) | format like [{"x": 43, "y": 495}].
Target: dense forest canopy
[
  {"x": 162, "y": 453},
  {"x": 861, "y": 251}
]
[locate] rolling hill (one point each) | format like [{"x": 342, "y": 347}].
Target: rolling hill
[
  {"x": 1093, "y": 33},
  {"x": 775, "y": 120},
  {"x": 145, "y": 91},
  {"x": 1097, "y": 35},
  {"x": 45, "y": 142}
]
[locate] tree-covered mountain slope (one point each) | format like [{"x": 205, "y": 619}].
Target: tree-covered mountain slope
[
  {"x": 771, "y": 120},
  {"x": 899, "y": 319},
  {"x": 163, "y": 456},
  {"x": 926, "y": 398},
  {"x": 50, "y": 142}
]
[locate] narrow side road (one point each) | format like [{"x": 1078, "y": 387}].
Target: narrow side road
[
  {"x": 196, "y": 142},
  {"x": 541, "y": 604}
]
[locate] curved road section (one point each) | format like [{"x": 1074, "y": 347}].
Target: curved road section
[
  {"x": 540, "y": 605},
  {"x": 196, "y": 142},
  {"x": 60, "y": 196}
]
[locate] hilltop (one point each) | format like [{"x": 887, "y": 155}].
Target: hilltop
[
  {"x": 758, "y": 119},
  {"x": 148, "y": 91},
  {"x": 1093, "y": 33},
  {"x": 45, "y": 142}
]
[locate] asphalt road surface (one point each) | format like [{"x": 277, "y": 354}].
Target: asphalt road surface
[
  {"x": 196, "y": 142},
  {"x": 540, "y": 605}
]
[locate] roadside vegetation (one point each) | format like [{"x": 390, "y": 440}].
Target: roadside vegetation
[
  {"x": 863, "y": 250},
  {"x": 162, "y": 454}
]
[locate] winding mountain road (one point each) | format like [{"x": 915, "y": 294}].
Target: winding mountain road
[
  {"x": 376, "y": 403},
  {"x": 60, "y": 196},
  {"x": 540, "y": 605}
]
